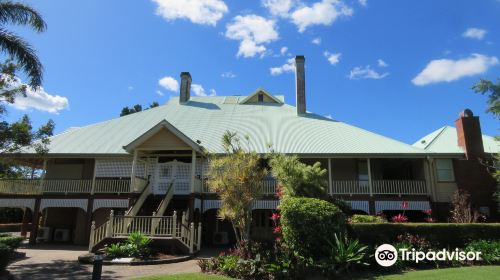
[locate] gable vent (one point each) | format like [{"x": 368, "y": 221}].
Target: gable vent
[{"x": 231, "y": 100}]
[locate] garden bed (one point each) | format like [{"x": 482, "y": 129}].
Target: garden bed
[{"x": 158, "y": 259}]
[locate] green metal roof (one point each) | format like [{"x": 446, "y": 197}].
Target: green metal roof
[
  {"x": 445, "y": 141},
  {"x": 206, "y": 119}
]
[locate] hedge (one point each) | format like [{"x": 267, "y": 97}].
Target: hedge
[
  {"x": 307, "y": 222},
  {"x": 441, "y": 234}
]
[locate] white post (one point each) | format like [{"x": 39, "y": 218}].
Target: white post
[
  {"x": 153, "y": 224},
  {"x": 91, "y": 241},
  {"x": 199, "y": 236},
  {"x": 370, "y": 183},
  {"x": 132, "y": 174},
  {"x": 44, "y": 168},
  {"x": 174, "y": 225},
  {"x": 330, "y": 188},
  {"x": 92, "y": 191},
  {"x": 109, "y": 229},
  {"x": 191, "y": 237},
  {"x": 193, "y": 169}
]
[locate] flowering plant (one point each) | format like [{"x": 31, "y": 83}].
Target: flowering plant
[{"x": 400, "y": 218}]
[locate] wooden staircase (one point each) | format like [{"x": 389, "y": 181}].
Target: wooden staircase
[{"x": 156, "y": 226}]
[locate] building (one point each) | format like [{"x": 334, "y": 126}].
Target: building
[{"x": 146, "y": 171}]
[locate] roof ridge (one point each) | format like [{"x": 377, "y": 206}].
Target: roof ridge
[{"x": 436, "y": 137}]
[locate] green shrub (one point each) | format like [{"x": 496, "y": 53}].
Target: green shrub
[
  {"x": 344, "y": 253},
  {"x": 306, "y": 222},
  {"x": 441, "y": 235},
  {"x": 363, "y": 219},
  {"x": 136, "y": 245},
  {"x": 11, "y": 241},
  {"x": 6, "y": 253},
  {"x": 490, "y": 250}
]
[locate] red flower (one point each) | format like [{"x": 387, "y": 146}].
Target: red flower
[
  {"x": 400, "y": 218},
  {"x": 278, "y": 239},
  {"x": 276, "y": 229},
  {"x": 404, "y": 204},
  {"x": 222, "y": 254},
  {"x": 429, "y": 220},
  {"x": 275, "y": 216},
  {"x": 428, "y": 212}
]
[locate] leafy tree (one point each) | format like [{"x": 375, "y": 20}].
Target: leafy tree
[
  {"x": 299, "y": 179},
  {"x": 237, "y": 178},
  {"x": 15, "y": 13},
  {"x": 137, "y": 108},
  {"x": 492, "y": 90}
]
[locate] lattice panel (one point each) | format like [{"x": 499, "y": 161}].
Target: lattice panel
[
  {"x": 118, "y": 168},
  {"x": 201, "y": 167},
  {"x": 182, "y": 187},
  {"x": 183, "y": 170}
]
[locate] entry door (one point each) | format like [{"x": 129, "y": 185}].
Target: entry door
[{"x": 176, "y": 172}]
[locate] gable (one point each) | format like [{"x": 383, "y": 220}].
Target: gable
[
  {"x": 261, "y": 96},
  {"x": 164, "y": 140}
]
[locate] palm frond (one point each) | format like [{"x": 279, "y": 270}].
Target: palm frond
[
  {"x": 22, "y": 14},
  {"x": 24, "y": 55}
]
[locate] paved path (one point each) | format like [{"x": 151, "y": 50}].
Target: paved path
[{"x": 60, "y": 262}]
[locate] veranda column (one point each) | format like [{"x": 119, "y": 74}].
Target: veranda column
[
  {"x": 93, "y": 177},
  {"x": 370, "y": 183},
  {"x": 330, "y": 176},
  {"x": 193, "y": 169},
  {"x": 132, "y": 174}
]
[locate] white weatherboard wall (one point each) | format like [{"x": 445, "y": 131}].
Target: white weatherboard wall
[
  {"x": 64, "y": 203},
  {"x": 18, "y": 202},
  {"x": 360, "y": 205},
  {"x": 110, "y": 203},
  {"x": 259, "y": 204},
  {"x": 396, "y": 205}
]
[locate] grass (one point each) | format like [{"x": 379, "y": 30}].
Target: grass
[
  {"x": 185, "y": 276},
  {"x": 461, "y": 273}
]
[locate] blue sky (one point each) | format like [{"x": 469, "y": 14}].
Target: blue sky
[{"x": 398, "y": 68}]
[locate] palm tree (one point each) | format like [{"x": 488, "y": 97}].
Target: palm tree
[{"x": 17, "y": 47}]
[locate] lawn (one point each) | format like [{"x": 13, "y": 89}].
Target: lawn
[{"x": 462, "y": 273}]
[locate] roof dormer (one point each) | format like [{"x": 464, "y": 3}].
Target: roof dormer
[{"x": 261, "y": 96}]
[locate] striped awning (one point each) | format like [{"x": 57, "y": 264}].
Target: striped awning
[
  {"x": 64, "y": 203},
  {"x": 397, "y": 205},
  {"x": 110, "y": 203},
  {"x": 18, "y": 202}
]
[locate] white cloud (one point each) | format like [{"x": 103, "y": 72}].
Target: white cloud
[
  {"x": 253, "y": 31},
  {"x": 228, "y": 75},
  {"x": 382, "y": 63},
  {"x": 130, "y": 88},
  {"x": 333, "y": 58},
  {"x": 365, "y": 73},
  {"x": 316, "y": 41},
  {"x": 447, "y": 70},
  {"x": 198, "y": 90},
  {"x": 283, "y": 50},
  {"x": 38, "y": 99},
  {"x": 206, "y": 12},
  {"x": 288, "y": 67},
  {"x": 160, "y": 93},
  {"x": 474, "y": 33},
  {"x": 363, "y": 3},
  {"x": 278, "y": 7},
  {"x": 169, "y": 83},
  {"x": 320, "y": 13}
]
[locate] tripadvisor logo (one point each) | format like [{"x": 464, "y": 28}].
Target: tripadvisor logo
[{"x": 387, "y": 255}]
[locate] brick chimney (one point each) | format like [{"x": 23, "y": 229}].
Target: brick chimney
[
  {"x": 185, "y": 87},
  {"x": 300, "y": 83},
  {"x": 470, "y": 138}
]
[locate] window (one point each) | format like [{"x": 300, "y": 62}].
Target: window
[
  {"x": 445, "y": 170},
  {"x": 363, "y": 173}
]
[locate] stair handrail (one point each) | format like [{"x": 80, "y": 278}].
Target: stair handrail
[
  {"x": 132, "y": 211},
  {"x": 162, "y": 207}
]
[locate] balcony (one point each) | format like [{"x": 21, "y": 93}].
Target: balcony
[
  {"x": 268, "y": 186},
  {"x": 379, "y": 187},
  {"x": 70, "y": 186}
]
